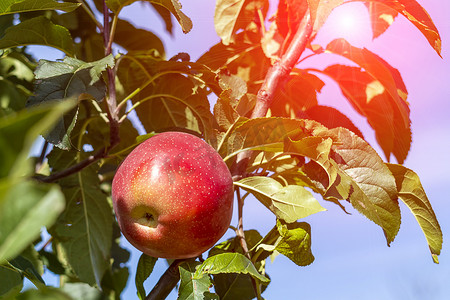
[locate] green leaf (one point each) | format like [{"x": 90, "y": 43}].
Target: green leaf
[
  {"x": 224, "y": 114},
  {"x": 318, "y": 150},
  {"x": 134, "y": 39},
  {"x": 84, "y": 229},
  {"x": 295, "y": 242},
  {"x": 12, "y": 283},
  {"x": 20, "y": 6},
  {"x": 164, "y": 97},
  {"x": 165, "y": 15},
  {"x": 24, "y": 208},
  {"x": 174, "y": 6},
  {"x": 45, "y": 293},
  {"x": 28, "y": 270},
  {"x": 228, "y": 263},
  {"x": 17, "y": 75},
  {"x": 417, "y": 15},
  {"x": 289, "y": 203},
  {"x": 411, "y": 192},
  {"x": 144, "y": 269},
  {"x": 268, "y": 134},
  {"x": 51, "y": 262},
  {"x": 234, "y": 286},
  {"x": 115, "y": 281},
  {"x": 71, "y": 78},
  {"x": 192, "y": 288},
  {"x": 366, "y": 182},
  {"x": 38, "y": 31}
]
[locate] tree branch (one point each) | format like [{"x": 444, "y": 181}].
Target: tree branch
[
  {"x": 166, "y": 282},
  {"x": 275, "y": 78}
]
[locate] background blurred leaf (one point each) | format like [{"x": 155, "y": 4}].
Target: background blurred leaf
[
  {"x": 79, "y": 290},
  {"x": 19, "y": 131},
  {"x": 45, "y": 293},
  {"x": 16, "y": 71},
  {"x": 12, "y": 283},
  {"x": 24, "y": 208}
]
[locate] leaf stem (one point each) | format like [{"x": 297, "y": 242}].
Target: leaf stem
[
  {"x": 112, "y": 33},
  {"x": 90, "y": 13}
]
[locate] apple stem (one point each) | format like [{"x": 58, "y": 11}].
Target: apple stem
[{"x": 166, "y": 282}]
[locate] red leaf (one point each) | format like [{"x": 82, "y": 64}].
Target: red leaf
[
  {"x": 330, "y": 118},
  {"x": 299, "y": 93},
  {"x": 370, "y": 99},
  {"x": 320, "y": 10},
  {"x": 376, "y": 67},
  {"x": 381, "y": 17},
  {"x": 417, "y": 15}
]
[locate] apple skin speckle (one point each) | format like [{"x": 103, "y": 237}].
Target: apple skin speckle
[{"x": 184, "y": 184}]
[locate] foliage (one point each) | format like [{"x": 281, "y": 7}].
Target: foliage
[{"x": 280, "y": 154}]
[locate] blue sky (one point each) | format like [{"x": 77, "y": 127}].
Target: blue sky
[{"x": 352, "y": 260}]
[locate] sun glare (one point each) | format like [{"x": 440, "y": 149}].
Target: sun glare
[{"x": 349, "y": 21}]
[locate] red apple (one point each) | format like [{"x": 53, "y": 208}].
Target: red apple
[{"x": 173, "y": 196}]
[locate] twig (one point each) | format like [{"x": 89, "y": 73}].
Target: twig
[
  {"x": 241, "y": 235},
  {"x": 73, "y": 169},
  {"x": 240, "y": 229},
  {"x": 41, "y": 157},
  {"x": 166, "y": 282},
  {"x": 48, "y": 242}
]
